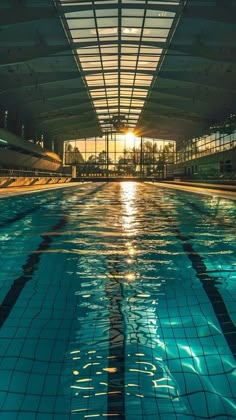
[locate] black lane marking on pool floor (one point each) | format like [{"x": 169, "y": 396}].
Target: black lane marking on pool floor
[
  {"x": 116, "y": 361},
  {"x": 31, "y": 265},
  {"x": 28, "y": 270},
  {"x": 24, "y": 213},
  {"x": 210, "y": 216},
  {"x": 35, "y": 208},
  {"x": 209, "y": 284},
  {"x": 210, "y": 287}
]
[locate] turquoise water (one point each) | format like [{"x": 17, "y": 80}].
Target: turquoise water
[{"x": 117, "y": 301}]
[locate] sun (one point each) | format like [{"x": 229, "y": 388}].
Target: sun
[{"x": 130, "y": 139}]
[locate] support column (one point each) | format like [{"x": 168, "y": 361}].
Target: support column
[
  {"x": 141, "y": 157},
  {"x": 73, "y": 171},
  {"x": 5, "y": 120},
  {"x": 107, "y": 154}
]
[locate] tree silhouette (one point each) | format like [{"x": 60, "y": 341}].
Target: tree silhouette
[{"x": 72, "y": 155}]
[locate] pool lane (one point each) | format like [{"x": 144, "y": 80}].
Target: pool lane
[
  {"x": 209, "y": 283},
  {"x": 33, "y": 258},
  {"x": 115, "y": 320}
]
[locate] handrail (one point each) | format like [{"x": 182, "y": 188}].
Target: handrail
[{"x": 34, "y": 173}]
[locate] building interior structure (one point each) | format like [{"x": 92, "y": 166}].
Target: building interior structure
[{"x": 117, "y": 209}]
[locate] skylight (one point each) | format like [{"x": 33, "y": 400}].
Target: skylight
[{"x": 120, "y": 43}]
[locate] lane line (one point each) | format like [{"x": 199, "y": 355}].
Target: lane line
[{"x": 31, "y": 266}]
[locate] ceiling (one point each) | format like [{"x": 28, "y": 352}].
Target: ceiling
[{"x": 72, "y": 69}]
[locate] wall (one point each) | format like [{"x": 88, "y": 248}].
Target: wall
[
  {"x": 16, "y": 152},
  {"x": 220, "y": 165},
  {"x": 13, "y": 159}
]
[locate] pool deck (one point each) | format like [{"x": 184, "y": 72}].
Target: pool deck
[
  {"x": 217, "y": 190},
  {"x": 226, "y": 191},
  {"x": 12, "y": 191},
  {"x": 209, "y": 185}
]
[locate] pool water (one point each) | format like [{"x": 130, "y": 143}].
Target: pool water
[{"x": 117, "y": 301}]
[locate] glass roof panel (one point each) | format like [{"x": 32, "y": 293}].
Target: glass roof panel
[
  {"x": 132, "y": 12},
  {"x": 106, "y": 12},
  {"x": 116, "y": 52},
  {"x": 159, "y": 14},
  {"x": 83, "y": 33},
  {"x": 132, "y": 22},
  {"x": 130, "y": 50},
  {"x": 97, "y": 94},
  {"x": 131, "y": 31},
  {"x": 92, "y": 66},
  {"x": 112, "y": 91},
  {"x": 156, "y": 32},
  {"x": 158, "y": 22},
  {"x": 87, "y": 51},
  {"x": 107, "y": 23},
  {"x": 81, "y": 23},
  {"x": 108, "y": 50}
]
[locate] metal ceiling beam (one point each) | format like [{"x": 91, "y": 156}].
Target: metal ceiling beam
[
  {"x": 226, "y": 13},
  {"x": 169, "y": 40},
  {"x": 76, "y": 108},
  {"x": 71, "y": 132},
  {"x": 39, "y": 87},
  {"x": 55, "y": 98},
  {"x": 111, "y": 6},
  {"x": 175, "y": 131},
  {"x": 204, "y": 79},
  {"x": 66, "y": 112},
  {"x": 161, "y": 123},
  {"x": 218, "y": 53},
  {"x": 21, "y": 54},
  {"x": 23, "y": 14},
  {"x": 57, "y": 124},
  {"x": 12, "y": 55},
  {"x": 183, "y": 111},
  {"x": 184, "y": 108},
  {"x": 14, "y": 81},
  {"x": 194, "y": 96},
  {"x": 75, "y": 134},
  {"x": 81, "y": 44},
  {"x": 58, "y": 129},
  {"x": 69, "y": 106},
  {"x": 50, "y": 98},
  {"x": 176, "y": 113}
]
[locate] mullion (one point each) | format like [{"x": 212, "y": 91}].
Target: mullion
[
  {"x": 119, "y": 51},
  {"x": 100, "y": 53},
  {"x": 138, "y": 54},
  {"x": 181, "y": 4}
]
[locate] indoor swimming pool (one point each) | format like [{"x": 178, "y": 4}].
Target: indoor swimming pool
[{"x": 118, "y": 301}]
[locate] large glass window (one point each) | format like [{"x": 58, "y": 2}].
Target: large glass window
[
  {"x": 119, "y": 155},
  {"x": 206, "y": 145}
]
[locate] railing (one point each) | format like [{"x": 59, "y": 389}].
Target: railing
[{"x": 24, "y": 173}]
